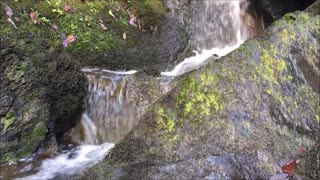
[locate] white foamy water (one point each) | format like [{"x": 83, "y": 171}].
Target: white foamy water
[
  {"x": 218, "y": 25},
  {"x": 70, "y": 163},
  {"x": 96, "y": 70},
  {"x": 199, "y": 59}
]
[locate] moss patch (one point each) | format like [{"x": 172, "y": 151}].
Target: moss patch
[
  {"x": 85, "y": 20},
  {"x": 198, "y": 99},
  {"x": 151, "y": 12},
  {"x": 8, "y": 120},
  {"x": 32, "y": 140}
]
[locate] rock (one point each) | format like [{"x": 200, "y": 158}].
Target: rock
[
  {"x": 240, "y": 117},
  {"x": 277, "y": 9},
  {"x": 50, "y": 145}
]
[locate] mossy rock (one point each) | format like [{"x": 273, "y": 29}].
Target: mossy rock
[
  {"x": 249, "y": 112},
  {"x": 151, "y": 12}
]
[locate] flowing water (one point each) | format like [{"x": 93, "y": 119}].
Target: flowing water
[
  {"x": 218, "y": 29},
  {"x": 108, "y": 116}
]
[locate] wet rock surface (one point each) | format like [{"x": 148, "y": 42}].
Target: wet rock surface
[
  {"x": 276, "y": 9},
  {"x": 42, "y": 87},
  {"x": 243, "y": 116}
]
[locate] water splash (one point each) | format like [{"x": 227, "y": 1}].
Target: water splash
[
  {"x": 217, "y": 24},
  {"x": 73, "y": 162}
]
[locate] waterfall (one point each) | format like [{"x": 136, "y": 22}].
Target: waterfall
[
  {"x": 108, "y": 114},
  {"x": 107, "y": 118},
  {"x": 218, "y": 30}
]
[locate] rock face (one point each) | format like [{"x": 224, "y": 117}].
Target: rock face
[
  {"x": 42, "y": 88},
  {"x": 276, "y": 9},
  {"x": 243, "y": 116}
]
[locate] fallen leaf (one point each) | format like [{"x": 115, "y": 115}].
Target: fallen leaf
[
  {"x": 9, "y": 11},
  {"x": 65, "y": 43},
  {"x": 67, "y": 8},
  {"x": 103, "y": 27},
  {"x": 133, "y": 20},
  {"x": 35, "y": 18},
  {"x": 124, "y": 35},
  {"x": 72, "y": 38},
  {"x": 13, "y": 24},
  {"x": 111, "y": 14},
  {"x": 55, "y": 27},
  {"x": 139, "y": 26},
  {"x": 290, "y": 167},
  {"x": 69, "y": 39}
]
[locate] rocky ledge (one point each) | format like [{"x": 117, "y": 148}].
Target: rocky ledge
[{"x": 244, "y": 116}]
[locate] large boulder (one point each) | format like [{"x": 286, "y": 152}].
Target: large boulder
[{"x": 243, "y": 116}]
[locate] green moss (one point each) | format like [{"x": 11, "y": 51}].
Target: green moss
[
  {"x": 287, "y": 36},
  {"x": 277, "y": 23},
  {"x": 84, "y": 20},
  {"x": 167, "y": 122},
  {"x": 31, "y": 141},
  {"x": 199, "y": 98},
  {"x": 17, "y": 72},
  {"x": 289, "y": 17},
  {"x": 304, "y": 16},
  {"x": 150, "y": 12},
  {"x": 271, "y": 68},
  {"x": 8, "y": 120},
  {"x": 316, "y": 116}
]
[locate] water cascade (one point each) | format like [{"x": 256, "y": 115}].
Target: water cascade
[
  {"x": 109, "y": 115},
  {"x": 107, "y": 118},
  {"x": 218, "y": 30}
]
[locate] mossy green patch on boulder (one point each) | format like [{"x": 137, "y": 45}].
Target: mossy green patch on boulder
[
  {"x": 8, "y": 120},
  {"x": 99, "y": 25},
  {"x": 151, "y": 12}
]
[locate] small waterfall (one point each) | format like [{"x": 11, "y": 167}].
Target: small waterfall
[
  {"x": 108, "y": 115},
  {"x": 218, "y": 30}
]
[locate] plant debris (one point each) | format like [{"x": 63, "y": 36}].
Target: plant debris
[
  {"x": 69, "y": 39},
  {"x": 67, "y": 8},
  {"x": 290, "y": 167},
  {"x": 9, "y": 13},
  {"x": 34, "y": 17}
]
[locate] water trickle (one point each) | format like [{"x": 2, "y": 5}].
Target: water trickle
[
  {"x": 108, "y": 115},
  {"x": 218, "y": 30}
]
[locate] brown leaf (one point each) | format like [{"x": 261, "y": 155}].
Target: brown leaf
[{"x": 290, "y": 167}]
